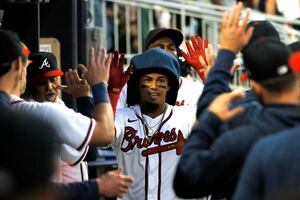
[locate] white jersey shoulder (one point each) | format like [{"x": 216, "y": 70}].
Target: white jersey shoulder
[{"x": 74, "y": 130}]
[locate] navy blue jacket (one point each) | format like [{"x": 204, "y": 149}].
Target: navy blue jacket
[
  {"x": 272, "y": 170},
  {"x": 218, "y": 82},
  {"x": 212, "y": 166}
]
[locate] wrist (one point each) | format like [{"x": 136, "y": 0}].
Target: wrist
[{"x": 100, "y": 93}]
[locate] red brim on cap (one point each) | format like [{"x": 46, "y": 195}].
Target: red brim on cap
[
  {"x": 46, "y": 75},
  {"x": 294, "y": 62}
]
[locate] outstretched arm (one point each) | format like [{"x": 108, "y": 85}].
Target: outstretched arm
[{"x": 234, "y": 36}]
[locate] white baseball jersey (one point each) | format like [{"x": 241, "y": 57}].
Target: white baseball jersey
[
  {"x": 151, "y": 161},
  {"x": 188, "y": 93},
  {"x": 74, "y": 130}
]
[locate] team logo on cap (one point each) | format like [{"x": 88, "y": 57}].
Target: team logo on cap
[
  {"x": 282, "y": 70},
  {"x": 45, "y": 64}
]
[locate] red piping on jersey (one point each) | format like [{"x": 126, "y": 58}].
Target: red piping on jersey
[
  {"x": 87, "y": 135},
  {"x": 81, "y": 157}
]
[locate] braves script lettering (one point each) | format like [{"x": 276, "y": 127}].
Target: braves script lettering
[{"x": 132, "y": 140}]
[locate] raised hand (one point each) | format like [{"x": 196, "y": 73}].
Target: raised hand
[
  {"x": 114, "y": 184},
  {"x": 220, "y": 105},
  {"x": 195, "y": 52},
  {"x": 99, "y": 66},
  {"x": 210, "y": 59},
  {"x": 117, "y": 77},
  {"x": 76, "y": 86},
  {"x": 234, "y": 34}
]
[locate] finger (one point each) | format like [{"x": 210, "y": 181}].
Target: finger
[
  {"x": 108, "y": 60},
  {"x": 98, "y": 56},
  {"x": 225, "y": 20},
  {"x": 212, "y": 54},
  {"x": 202, "y": 61},
  {"x": 72, "y": 77},
  {"x": 249, "y": 34},
  {"x": 129, "y": 70},
  {"x": 76, "y": 77},
  {"x": 205, "y": 43},
  {"x": 186, "y": 57},
  {"x": 195, "y": 45},
  {"x": 200, "y": 43},
  {"x": 237, "y": 14},
  {"x": 230, "y": 17},
  {"x": 234, "y": 112},
  {"x": 246, "y": 19},
  {"x": 234, "y": 67},
  {"x": 92, "y": 57},
  {"x": 116, "y": 58},
  {"x": 235, "y": 95},
  {"x": 189, "y": 47},
  {"x": 67, "y": 78},
  {"x": 121, "y": 61},
  {"x": 83, "y": 70}
]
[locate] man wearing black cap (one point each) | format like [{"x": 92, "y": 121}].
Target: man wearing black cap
[
  {"x": 212, "y": 160},
  {"x": 220, "y": 76},
  {"x": 273, "y": 162},
  {"x": 74, "y": 130},
  {"x": 43, "y": 85},
  {"x": 169, "y": 40},
  {"x": 150, "y": 133}
]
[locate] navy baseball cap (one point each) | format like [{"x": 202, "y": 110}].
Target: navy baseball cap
[
  {"x": 262, "y": 28},
  {"x": 10, "y": 46},
  {"x": 267, "y": 58},
  {"x": 174, "y": 34},
  {"x": 154, "y": 60},
  {"x": 43, "y": 65}
]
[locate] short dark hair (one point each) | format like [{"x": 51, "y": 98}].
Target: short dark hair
[{"x": 280, "y": 84}]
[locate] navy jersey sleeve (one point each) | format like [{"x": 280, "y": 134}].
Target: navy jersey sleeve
[
  {"x": 204, "y": 169},
  {"x": 217, "y": 81},
  {"x": 85, "y": 106},
  {"x": 87, "y": 190}
]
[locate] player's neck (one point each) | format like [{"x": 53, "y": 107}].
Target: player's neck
[{"x": 153, "y": 110}]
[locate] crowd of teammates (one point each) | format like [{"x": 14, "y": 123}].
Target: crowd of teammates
[{"x": 173, "y": 138}]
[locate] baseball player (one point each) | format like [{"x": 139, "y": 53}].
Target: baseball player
[
  {"x": 170, "y": 40},
  {"x": 150, "y": 133},
  {"x": 43, "y": 86},
  {"x": 76, "y": 131}
]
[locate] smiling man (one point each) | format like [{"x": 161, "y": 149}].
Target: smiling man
[
  {"x": 150, "y": 133},
  {"x": 44, "y": 77}
]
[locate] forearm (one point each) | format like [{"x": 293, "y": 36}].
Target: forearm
[
  {"x": 103, "y": 115},
  {"x": 217, "y": 81}
]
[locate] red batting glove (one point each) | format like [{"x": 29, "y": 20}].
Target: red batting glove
[
  {"x": 117, "y": 78},
  {"x": 195, "y": 53}
]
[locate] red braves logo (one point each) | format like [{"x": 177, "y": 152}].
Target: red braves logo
[{"x": 168, "y": 136}]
